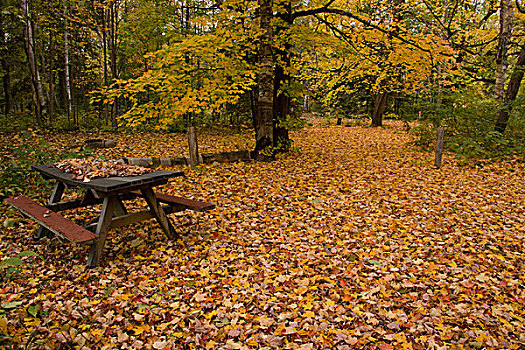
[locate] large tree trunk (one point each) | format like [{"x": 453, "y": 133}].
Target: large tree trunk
[
  {"x": 29, "y": 40},
  {"x": 380, "y": 101},
  {"x": 264, "y": 117},
  {"x": 281, "y": 97},
  {"x": 281, "y": 109},
  {"x": 505, "y": 32},
  {"x": 511, "y": 93}
]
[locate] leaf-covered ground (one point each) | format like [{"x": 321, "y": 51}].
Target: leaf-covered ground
[{"x": 351, "y": 241}]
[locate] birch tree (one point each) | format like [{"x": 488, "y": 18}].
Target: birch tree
[{"x": 29, "y": 40}]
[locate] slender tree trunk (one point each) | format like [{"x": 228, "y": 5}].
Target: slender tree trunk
[
  {"x": 67, "y": 77},
  {"x": 6, "y": 79},
  {"x": 105, "y": 63},
  {"x": 264, "y": 117},
  {"x": 29, "y": 40},
  {"x": 113, "y": 55},
  {"x": 505, "y": 32},
  {"x": 51, "y": 77},
  {"x": 380, "y": 101},
  {"x": 511, "y": 93}
]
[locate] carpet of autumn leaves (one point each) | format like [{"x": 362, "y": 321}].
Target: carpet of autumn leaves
[{"x": 351, "y": 241}]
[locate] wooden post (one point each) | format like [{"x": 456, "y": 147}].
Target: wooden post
[
  {"x": 194, "y": 149},
  {"x": 439, "y": 147}
]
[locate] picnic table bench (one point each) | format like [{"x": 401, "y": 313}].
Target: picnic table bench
[{"x": 111, "y": 192}]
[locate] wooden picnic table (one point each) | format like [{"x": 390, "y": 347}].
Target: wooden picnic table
[{"x": 110, "y": 192}]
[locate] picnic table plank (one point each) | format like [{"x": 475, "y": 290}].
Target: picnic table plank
[
  {"x": 109, "y": 185},
  {"x": 51, "y": 220}
]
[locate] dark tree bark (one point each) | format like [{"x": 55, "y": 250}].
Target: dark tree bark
[
  {"x": 511, "y": 93},
  {"x": 281, "y": 97},
  {"x": 281, "y": 108},
  {"x": 264, "y": 118},
  {"x": 7, "y": 86},
  {"x": 380, "y": 101},
  {"x": 6, "y": 79},
  {"x": 505, "y": 33},
  {"x": 51, "y": 77},
  {"x": 113, "y": 54}
]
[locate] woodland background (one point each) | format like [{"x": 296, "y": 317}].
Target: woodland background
[{"x": 164, "y": 65}]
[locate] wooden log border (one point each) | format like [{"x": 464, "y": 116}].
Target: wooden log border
[
  {"x": 209, "y": 158},
  {"x": 99, "y": 143}
]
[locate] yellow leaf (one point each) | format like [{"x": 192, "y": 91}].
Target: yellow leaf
[
  {"x": 141, "y": 329},
  {"x": 308, "y": 306},
  {"x": 3, "y": 326},
  {"x": 308, "y": 314},
  {"x": 211, "y": 314}
]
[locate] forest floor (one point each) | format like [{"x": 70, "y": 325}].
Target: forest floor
[{"x": 351, "y": 241}]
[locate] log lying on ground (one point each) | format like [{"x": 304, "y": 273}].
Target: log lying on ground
[{"x": 99, "y": 143}]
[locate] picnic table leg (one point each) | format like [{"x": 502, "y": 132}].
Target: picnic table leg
[
  {"x": 89, "y": 198},
  {"x": 121, "y": 208},
  {"x": 104, "y": 223},
  {"x": 56, "y": 196},
  {"x": 159, "y": 213}
]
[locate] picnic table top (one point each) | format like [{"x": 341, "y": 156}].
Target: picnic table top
[{"x": 109, "y": 184}]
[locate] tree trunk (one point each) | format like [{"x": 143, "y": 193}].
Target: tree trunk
[
  {"x": 264, "y": 117},
  {"x": 6, "y": 79},
  {"x": 105, "y": 63},
  {"x": 113, "y": 56},
  {"x": 380, "y": 101},
  {"x": 281, "y": 97},
  {"x": 67, "y": 78},
  {"x": 29, "y": 41},
  {"x": 7, "y": 86},
  {"x": 51, "y": 77},
  {"x": 511, "y": 93},
  {"x": 505, "y": 31},
  {"x": 281, "y": 139}
]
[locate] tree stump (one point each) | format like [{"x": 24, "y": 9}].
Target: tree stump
[
  {"x": 439, "y": 147},
  {"x": 193, "y": 147}
]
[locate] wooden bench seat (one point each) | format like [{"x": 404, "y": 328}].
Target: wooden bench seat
[
  {"x": 181, "y": 203},
  {"x": 51, "y": 220}
]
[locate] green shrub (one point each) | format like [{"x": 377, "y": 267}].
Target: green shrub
[
  {"x": 469, "y": 122},
  {"x": 16, "y": 176}
]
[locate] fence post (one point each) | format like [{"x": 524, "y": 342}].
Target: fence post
[
  {"x": 439, "y": 147},
  {"x": 193, "y": 147}
]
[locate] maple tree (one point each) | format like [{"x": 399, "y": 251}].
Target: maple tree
[{"x": 314, "y": 250}]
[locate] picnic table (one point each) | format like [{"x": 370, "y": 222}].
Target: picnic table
[{"x": 111, "y": 192}]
